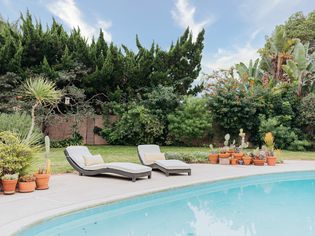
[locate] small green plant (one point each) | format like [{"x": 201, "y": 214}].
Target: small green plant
[
  {"x": 27, "y": 178},
  {"x": 212, "y": 150},
  {"x": 10, "y": 177}
]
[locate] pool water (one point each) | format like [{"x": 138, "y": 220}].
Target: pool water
[{"x": 265, "y": 205}]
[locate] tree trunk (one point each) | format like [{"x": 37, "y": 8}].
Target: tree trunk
[{"x": 33, "y": 121}]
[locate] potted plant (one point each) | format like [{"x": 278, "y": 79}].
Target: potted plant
[
  {"x": 234, "y": 161},
  {"x": 224, "y": 156},
  {"x": 238, "y": 154},
  {"x": 43, "y": 173},
  {"x": 239, "y": 150},
  {"x": 259, "y": 157},
  {"x": 213, "y": 156},
  {"x": 269, "y": 142},
  {"x": 9, "y": 183},
  {"x": 27, "y": 183},
  {"x": 247, "y": 159}
]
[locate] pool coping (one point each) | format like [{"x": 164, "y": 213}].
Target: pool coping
[{"x": 19, "y": 225}]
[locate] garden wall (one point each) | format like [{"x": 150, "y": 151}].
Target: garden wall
[{"x": 62, "y": 127}]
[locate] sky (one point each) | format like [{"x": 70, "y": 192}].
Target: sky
[{"x": 235, "y": 29}]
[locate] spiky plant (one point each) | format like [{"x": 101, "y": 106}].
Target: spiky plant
[{"x": 43, "y": 92}]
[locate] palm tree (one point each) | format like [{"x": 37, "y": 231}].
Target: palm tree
[{"x": 43, "y": 92}]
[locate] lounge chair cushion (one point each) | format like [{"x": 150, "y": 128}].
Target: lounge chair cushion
[
  {"x": 129, "y": 167},
  {"x": 76, "y": 153},
  {"x": 123, "y": 166},
  {"x": 151, "y": 157},
  {"x": 91, "y": 160},
  {"x": 172, "y": 164},
  {"x": 147, "y": 148}
]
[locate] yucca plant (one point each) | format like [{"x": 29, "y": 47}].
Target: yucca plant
[
  {"x": 43, "y": 92},
  {"x": 269, "y": 142}
]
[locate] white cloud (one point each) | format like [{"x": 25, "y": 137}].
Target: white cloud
[
  {"x": 70, "y": 14},
  {"x": 184, "y": 15},
  {"x": 224, "y": 59}
]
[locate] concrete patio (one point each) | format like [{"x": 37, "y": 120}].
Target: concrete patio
[{"x": 70, "y": 192}]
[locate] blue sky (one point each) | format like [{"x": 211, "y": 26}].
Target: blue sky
[{"x": 235, "y": 29}]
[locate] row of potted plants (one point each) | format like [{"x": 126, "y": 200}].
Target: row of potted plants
[
  {"x": 26, "y": 183},
  {"x": 230, "y": 154}
]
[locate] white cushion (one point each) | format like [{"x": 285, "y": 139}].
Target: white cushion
[
  {"x": 147, "y": 148},
  {"x": 93, "y": 160},
  {"x": 96, "y": 167},
  {"x": 172, "y": 164},
  {"x": 150, "y": 158},
  {"x": 124, "y": 166},
  {"x": 129, "y": 167},
  {"x": 76, "y": 153}
]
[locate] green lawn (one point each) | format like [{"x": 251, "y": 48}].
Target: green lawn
[{"x": 129, "y": 153}]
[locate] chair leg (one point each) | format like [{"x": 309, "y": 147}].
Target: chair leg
[
  {"x": 149, "y": 176},
  {"x": 133, "y": 179},
  {"x": 80, "y": 174},
  {"x": 189, "y": 172},
  {"x": 167, "y": 174}
]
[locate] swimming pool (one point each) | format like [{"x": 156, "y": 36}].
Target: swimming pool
[{"x": 264, "y": 205}]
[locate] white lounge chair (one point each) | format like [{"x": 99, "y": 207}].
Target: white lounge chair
[
  {"x": 145, "y": 152},
  {"x": 75, "y": 156}
]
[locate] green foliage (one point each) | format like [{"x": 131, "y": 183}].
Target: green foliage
[
  {"x": 307, "y": 114},
  {"x": 285, "y": 137},
  {"x": 15, "y": 156},
  {"x": 76, "y": 139},
  {"x": 235, "y": 105},
  {"x": 18, "y": 123},
  {"x": 191, "y": 121},
  {"x": 301, "y": 27},
  {"x": 194, "y": 157},
  {"x": 136, "y": 126}
]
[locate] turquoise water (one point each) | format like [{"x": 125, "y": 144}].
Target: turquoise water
[{"x": 266, "y": 205}]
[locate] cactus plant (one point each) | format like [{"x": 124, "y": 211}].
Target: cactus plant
[
  {"x": 213, "y": 151},
  {"x": 227, "y": 139},
  {"x": 243, "y": 143}
]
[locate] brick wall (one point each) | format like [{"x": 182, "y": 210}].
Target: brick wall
[{"x": 61, "y": 127}]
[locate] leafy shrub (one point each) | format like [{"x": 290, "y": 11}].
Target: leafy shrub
[
  {"x": 18, "y": 123},
  {"x": 195, "y": 157},
  {"x": 307, "y": 113},
  {"x": 285, "y": 137},
  {"x": 190, "y": 121},
  {"x": 135, "y": 126},
  {"x": 76, "y": 139},
  {"x": 15, "y": 156}
]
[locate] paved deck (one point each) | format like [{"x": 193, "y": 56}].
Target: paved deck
[{"x": 70, "y": 192}]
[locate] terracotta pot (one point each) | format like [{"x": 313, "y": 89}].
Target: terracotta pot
[
  {"x": 9, "y": 186},
  {"x": 238, "y": 156},
  {"x": 224, "y": 155},
  {"x": 27, "y": 187},
  {"x": 271, "y": 161},
  {"x": 247, "y": 160},
  {"x": 258, "y": 162},
  {"x": 234, "y": 161},
  {"x": 42, "y": 181},
  {"x": 231, "y": 151},
  {"x": 214, "y": 158},
  {"x": 224, "y": 161}
]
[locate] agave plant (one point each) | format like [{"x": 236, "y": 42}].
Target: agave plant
[
  {"x": 43, "y": 92},
  {"x": 301, "y": 68}
]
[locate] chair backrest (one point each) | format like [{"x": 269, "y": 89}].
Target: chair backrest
[
  {"x": 76, "y": 153},
  {"x": 147, "y": 148}
]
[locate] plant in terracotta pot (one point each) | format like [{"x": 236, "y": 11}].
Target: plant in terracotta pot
[
  {"x": 9, "y": 183},
  {"x": 247, "y": 159},
  {"x": 269, "y": 142},
  {"x": 234, "y": 161},
  {"x": 27, "y": 183},
  {"x": 213, "y": 156},
  {"x": 224, "y": 156},
  {"x": 238, "y": 154},
  {"x": 43, "y": 173},
  {"x": 260, "y": 157}
]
